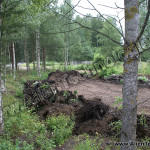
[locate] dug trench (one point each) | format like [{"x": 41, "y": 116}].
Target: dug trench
[{"x": 58, "y": 95}]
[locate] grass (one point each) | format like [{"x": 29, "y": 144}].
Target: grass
[
  {"x": 144, "y": 69},
  {"x": 23, "y": 130}
]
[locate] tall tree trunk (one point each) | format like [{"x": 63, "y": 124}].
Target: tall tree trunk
[
  {"x": 5, "y": 69},
  {"x": 9, "y": 55},
  {"x": 130, "y": 87},
  {"x": 26, "y": 57},
  {"x": 66, "y": 51},
  {"x": 13, "y": 60},
  {"x": 33, "y": 59},
  {"x": 38, "y": 52},
  {"x": 44, "y": 57},
  {"x": 1, "y": 106}
]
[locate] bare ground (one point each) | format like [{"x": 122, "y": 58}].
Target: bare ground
[{"x": 96, "y": 89}]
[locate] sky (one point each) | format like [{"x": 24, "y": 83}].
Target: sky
[{"x": 102, "y": 9}]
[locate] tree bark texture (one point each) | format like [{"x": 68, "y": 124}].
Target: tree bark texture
[
  {"x": 13, "y": 60},
  {"x": 130, "y": 87},
  {"x": 66, "y": 51},
  {"x": 38, "y": 53},
  {"x": 1, "y": 106}
]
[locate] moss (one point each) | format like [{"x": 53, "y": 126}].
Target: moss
[
  {"x": 134, "y": 10},
  {"x": 130, "y": 60},
  {"x": 125, "y": 70},
  {"x": 128, "y": 51},
  {"x": 133, "y": 102},
  {"x": 128, "y": 15}
]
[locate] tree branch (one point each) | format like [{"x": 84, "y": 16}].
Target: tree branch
[
  {"x": 145, "y": 22},
  {"x": 83, "y": 26},
  {"x": 62, "y": 31},
  {"x": 111, "y": 7},
  {"x": 106, "y": 20}
]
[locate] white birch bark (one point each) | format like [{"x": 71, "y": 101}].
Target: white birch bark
[
  {"x": 66, "y": 51},
  {"x": 38, "y": 53},
  {"x": 13, "y": 60},
  {"x": 130, "y": 87},
  {"x": 1, "y": 106},
  {"x": 33, "y": 59},
  {"x": 1, "y": 110}
]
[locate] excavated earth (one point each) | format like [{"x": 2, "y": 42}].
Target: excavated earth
[{"x": 91, "y": 101}]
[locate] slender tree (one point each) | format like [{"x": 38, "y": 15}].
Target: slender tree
[
  {"x": 38, "y": 52},
  {"x": 1, "y": 107}
]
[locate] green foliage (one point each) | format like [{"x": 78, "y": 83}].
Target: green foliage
[
  {"x": 66, "y": 94},
  {"x": 143, "y": 78},
  {"x": 19, "y": 93},
  {"x": 88, "y": 144},
  {"x": 145, "y": 68},
  {"x": 98, "y": 58},
  {"x": 116, "y": 126},
  {"x": 107, "y": 72},
  {"x": 20, "y": 122},
  {"x": 143, "y": 120},
  {"x": 61, "y": 127},
  {"x": 19, "y": 145},
  {"x": 106, "y": 45},
  {"x": 118, "y": 100}
]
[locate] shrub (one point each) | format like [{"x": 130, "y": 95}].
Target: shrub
[
  {"x": 89, "y": 144},
  {"x": 61, "y": 126},
  {"x": 20, "y": 122},
  {"x": 143, "y": 78},
  {"x": 107, "y": 72},
  {"x": 116, "y": 126},
  {"x": 17, "y": 145},
  {"x": 118, "y": 100},
  {"x": 19, "y": 93}
]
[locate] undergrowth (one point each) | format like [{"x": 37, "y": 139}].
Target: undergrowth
[{"x": 23, "y": 130}]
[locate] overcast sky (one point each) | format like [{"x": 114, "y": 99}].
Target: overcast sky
[{"x": 102, "y": 9}]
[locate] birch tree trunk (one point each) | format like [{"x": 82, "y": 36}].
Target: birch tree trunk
[
  {"x": 26, "y": 57},
  {"x": 38, "y": 53},
  {"x": 5, "y": 69},
  {"x": 130, "y": 87},
  {"x": 66, "y": 51},
  {"x": 1, "y": 107},
  {"x": 13, "y": 60},
  {"x": 9, "y": 55},
  {"x": 44, "y": 57}
]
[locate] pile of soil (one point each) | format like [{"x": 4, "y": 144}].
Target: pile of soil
[
  {"x": 92, "y": 116},
  {"x": 64, "y": 79},
  {"x": 118, "y": 79}
]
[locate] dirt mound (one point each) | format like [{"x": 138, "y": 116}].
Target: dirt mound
[
  {"x": 115, "y": 78},
  {"x": 64, "y": 79},
  {"x": 92, "y": 115},
  {"x": 91, "y": 110},
  {"x": 118, "y": 79}
]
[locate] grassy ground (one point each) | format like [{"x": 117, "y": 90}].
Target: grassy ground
[{"x": 24, "y": 131}]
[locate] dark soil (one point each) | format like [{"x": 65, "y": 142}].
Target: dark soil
[{"x": 93, "y": 113}]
